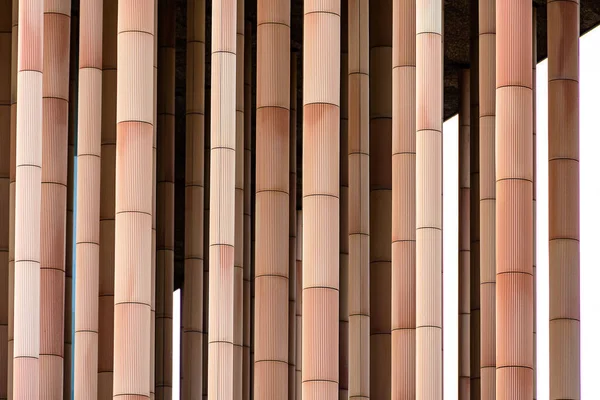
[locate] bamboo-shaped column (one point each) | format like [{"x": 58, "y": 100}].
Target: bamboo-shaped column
[
  {"x": 380, "y": 91},
  {"x": 403, "y": 200},
  {"x": 320, "y": 200},
  {"x": 133, "y": 199},
  {"x": 563, "y": 202},
  {"x": 299, "y": 305},
  {"x": 464, "y": 237},
  {"x": 514, "y": 227},
  {"x": 429, "y": 88},
  {"x": 487, "y": 196},
  {"x": 358, "y": 199},
  {"x": 534, "y": 146},
  {"x": 26, "y": 365},
  {"x": 193, "y": 321},
  {"x": 89, "y": 129},
  {"x": 272, "y": 199}
]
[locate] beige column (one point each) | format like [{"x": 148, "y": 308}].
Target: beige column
[
  {"x": 487, "y": 196},
  {"x": 89, "y": 132},
  {"x": 429, "y": 101},
  {"x": 464, "y": 237},
  {"x": 292, "y": 333},
  {"x": 514, "y": 227},
  {"x": 403, "y": 200},
  {"x": 534, "y": 146},
  {"x": 320, "y": 200},
  {"x": 358, "y": 199},
  {"x": 299, "y": 305},
  {"x": 563, "y": 201},
  {"x": 272, "y": 199}
]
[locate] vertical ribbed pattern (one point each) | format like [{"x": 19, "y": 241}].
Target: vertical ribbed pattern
[
  {"x": 134, "y": 199},
  {"x": 206, "y": 239},
  {"x": 534, "y": 147},
  {"x": 272, "y": 200},
  {"x": 165, "y": 196},
  {"x": 88, "y": 199},
  {"x": 292, "y": 333},
  {"x": 320, "y": 200},
  {"x": 193, "y": 319},
  {"x": 358, "y": 199},
  {"x": 299, "y": 305},
  {"x": 152, "y": 369},
  {"x": 487, "y": 197},
  {"x": 428, "y": 188},
  {"x": 222, "y": 200},
  {"x": 563, "y": 202},
  {"x": 514, "y": 217},
  {"x": 403, "y": 200}
]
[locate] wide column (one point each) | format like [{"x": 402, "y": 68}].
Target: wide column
[
  {"x": 514, "y": 219},
  {"x": 403, "y": 200},
  {"x": 298, "y": 305},
  {"x": 26, "y": 365},
  {"x": 89, "y": 125},
  {"x": 320, "y": 200},
  {"x": 563, "y": 201},
  {"x": 429, "y": 102},
  {"x": 358, "y": 200},
  {"x": 487, "y": 196},
  {"x": 133, "y": 199},
  {"x": 272, "y": 199}
]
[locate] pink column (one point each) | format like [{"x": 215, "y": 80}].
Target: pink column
[
  {"x": 320, "y": 200},
  {"x": 299, "y": 305},
  {"x": 358, "y": 199},
  {"x": 429, "y": 88},
  {"x": 403, "y": 200},
  {"x": 563, "y": 202},
  {"x": 514, "y": 227},
  {"x": 272, "y": 199},
  {"x": 533, "y": 84}
]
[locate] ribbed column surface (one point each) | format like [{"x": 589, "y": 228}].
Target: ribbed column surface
[
  {"x": 134, "y": 199},
  {"x": 88, "y": 198},
  {"x": 26, "y": 352},
  {"x": 514, "y": 216},
  {"x": 428, "y": 189},
  {"x": 320, "y": 200},
  {"x": 403, "y": 199},
  {"x": 298, "y": 305},
  {"x": 464, "y": 235},
  {"x": 153, "y": 259},
  {"x": 358, "y": 229},
  {"x": 563, "y": 201},
  {"x": 534, "y": 146},
  {"x": 487, "y": 196},
  {"x": 206, "y": 236},
  {"x": 222, "y": 201},
  {"x": 272, "y": 199}
]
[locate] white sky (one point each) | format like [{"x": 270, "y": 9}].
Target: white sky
[{"x": 589, "y": 217}]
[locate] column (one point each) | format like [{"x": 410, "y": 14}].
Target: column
[
  {"x": 133, "y": 199},
  {"x": 299, "y": 305},
  {"x": 429, "y": 118},
  {"x": 320, "y": 200},
  {"x": 534, "y": 146},
  {"x": 358, "y": 199},
  {"x": 403, "y": 200},
  {"x": 563, "y": 201},
  {"x": 152, "y": 369},
  {"x": 272, "y": 199},
  {"x": 89, "y": 129},
  {"x": 206, "y": 239},
  {"x": 514, "y": 219},
  {"x": 464, "y": 237}
]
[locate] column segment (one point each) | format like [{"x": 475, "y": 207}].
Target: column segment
[
  {"x": 563, "y": 202},
  {"x": 534, "y": 241},
  {"x": 298, "y": 305},
  {"x": 206, "y": 239}
]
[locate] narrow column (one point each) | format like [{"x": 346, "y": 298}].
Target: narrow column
[
  {"x": 403, "y": 200},
  {"x": 358, "y": 199},
  {"x": 299, "y": 305},
  {"x": 272, "y": 199},
  {"x": 464, "y": 237},
  {"x": 152, "y": 369},
  {"x": 429, "y": 101},
  {"x": 133, "y": 199},
  {"x": 89, "y": 128},
  {"x": 534, "y": 146},
  {"x": 320, "y": 200},
  {"x": 206, "y": 240},
  {"x": 487, "y": 195},
  {"x": 563, "y": 202},
  {"x": 514, "y": 173}
]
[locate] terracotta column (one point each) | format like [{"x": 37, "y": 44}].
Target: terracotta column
[
  {"x": 358, "y": 199},
  {"x": 320, "y": 200},
  {"x": 88, "y": 200},
  {"x": 487, "y": 195},
  {"x": 272, "y": 199},
  {"x": 403, "y": 200},
  {"x": 534, "y": 146},
  {"x": 563, "y": 202},
  {"x": 429, "y": 101},
  {"x": 514, "y": 227},
  {"x": 299, "y": 305}
]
